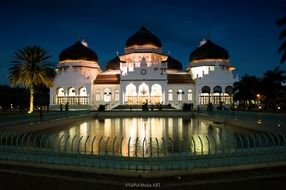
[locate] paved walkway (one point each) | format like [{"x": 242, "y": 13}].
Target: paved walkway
[
  {"x": 23, "y": 122},
  {"x": 254, "y": 121},
  {"x": 21, "y": 177}
]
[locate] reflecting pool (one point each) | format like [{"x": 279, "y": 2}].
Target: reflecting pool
[{"x": 143, "y": 137}]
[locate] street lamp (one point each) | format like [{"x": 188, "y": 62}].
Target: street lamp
[{"x": 180, "y": 93}]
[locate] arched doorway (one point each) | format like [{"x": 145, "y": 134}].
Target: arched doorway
[
  {"x": 228, "y": 95},
  {"x": 60, "y": 96},
  {"x": 205, "y": 95},
  {"x": 82, "y": 96},
  {"x": 143, "y": 94},
  {"x": 130, "y": 94},
  {"x": 156, "y": 94},
  {"x": 217, "y": 95}
]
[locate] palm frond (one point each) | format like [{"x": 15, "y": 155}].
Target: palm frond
[
  {"x": 282, "y": 35},
  {"x": 281, "y": 21},
  {"x": 31, "y": 67}
]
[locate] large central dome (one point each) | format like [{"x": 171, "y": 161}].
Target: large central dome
[{"x": 143, "y": 37}]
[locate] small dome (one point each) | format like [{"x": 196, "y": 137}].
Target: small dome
[
  {"x": 143, "y": 37},
  {"x": 173, "y": 63},
  {"x": 113, "y": 64},
  {"x": 208, "y": 50},
  {"x": 78, "y": 51}
]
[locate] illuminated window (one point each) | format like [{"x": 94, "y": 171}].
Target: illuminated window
[
  {"x": 116, "y": 95},
  {"x": 170, "y": 95},
  {"x": 180, "y": 93},
  {"x": 97, "y": 96},
  {"x": 107, "y": 95},
  {"x": 190, "y": 95}
]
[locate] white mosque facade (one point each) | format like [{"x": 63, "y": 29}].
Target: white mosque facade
[{"x": 143, "y": 74}]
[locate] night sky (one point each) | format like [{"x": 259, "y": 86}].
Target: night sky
[{"x": 246, "y": 28}]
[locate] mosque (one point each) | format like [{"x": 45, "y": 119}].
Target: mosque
[{"x": 144, "y": 74}]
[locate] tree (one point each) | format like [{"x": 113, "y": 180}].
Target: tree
[
  {"x": 31, "y": 68},
  {"x": 246, "y": 90},
  {"x": 272, "y": 85},
  {"x": 282, "y": 37}
]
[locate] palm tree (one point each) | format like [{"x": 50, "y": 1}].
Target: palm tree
[
  {"x": 272, "y": 84},
  {"x": 282, "y": 37},
  {"x": 246, "y": 90},
  {"x": 31, "y": 68}
]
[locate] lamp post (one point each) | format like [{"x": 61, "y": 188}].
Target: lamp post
[{"x": 180, "y": 94}]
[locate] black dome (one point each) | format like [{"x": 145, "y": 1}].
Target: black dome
[
  {"x": 78, "y": 52},
  {"x": 173, "y": 63},
  {"x": 142, "y": 37},
  {"x": 113, "y": 64},
  {"x": 209, "y": 50}
]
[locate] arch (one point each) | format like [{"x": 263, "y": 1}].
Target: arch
[
  {"x": 143, "y": 93},
  {"x": 82, "y": 91},
  {"x": 131, "y": 90},
  {"x": 217, "y": 89},
  {"x": 82, "y": 96},
  {"x": 131, "y": 94},
  {"x": 206, "y": 89},
  {"x": 205, "y": 95},
  {"x": 60, "y": 91},
  {"x": 156, "y": 94},
  {"x": 71, "y": 91},
  {"x": 217, "y": 95},
  {"x": 60, "y": 97},
  {"x": 156, "y": 90},
  {"x": 228, "y": 90},
  {"x": 228, "y": 95},
  {"x": 143, "y": 90}
]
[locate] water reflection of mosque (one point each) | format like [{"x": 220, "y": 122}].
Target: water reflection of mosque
[{"x": 135, "y": 136}]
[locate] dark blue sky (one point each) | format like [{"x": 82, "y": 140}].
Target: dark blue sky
[{"x": 246, "y": 28}]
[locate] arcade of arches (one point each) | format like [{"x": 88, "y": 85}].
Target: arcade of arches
[
  {"x": 216, "y": 96},
  {"x": 71, "y": 96},
  {"x": 144, "y": 94}
]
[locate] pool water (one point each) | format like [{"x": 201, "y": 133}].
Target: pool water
[{"x": 147, "y": 137}]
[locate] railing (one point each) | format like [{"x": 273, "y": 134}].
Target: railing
[{"x": 145, "y": 154}]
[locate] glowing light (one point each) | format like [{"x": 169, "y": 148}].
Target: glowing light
[
  {"x": 83, "y": 129},
  {"x": 211, "y": 60},
  {"x": 147, "y": 46},
  {"x": 76, "y": 61}
]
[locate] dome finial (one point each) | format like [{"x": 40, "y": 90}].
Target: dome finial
[{"x": 202, "y": 42}]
